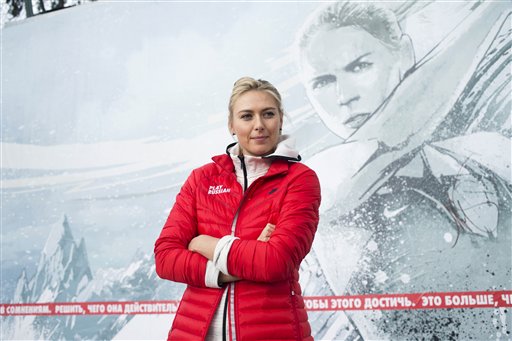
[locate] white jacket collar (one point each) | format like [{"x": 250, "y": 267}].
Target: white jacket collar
[{"x": 285, "y": 150}]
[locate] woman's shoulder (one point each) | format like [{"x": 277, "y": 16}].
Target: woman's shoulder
[
  {"x": 217, "y": 165},
  {"x": 300, "y": 173},
  {"x": 299, "y": 167},
  {"x": 207, "y": 168}
]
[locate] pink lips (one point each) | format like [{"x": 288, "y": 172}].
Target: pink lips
[{"x": 259, "y": 138}]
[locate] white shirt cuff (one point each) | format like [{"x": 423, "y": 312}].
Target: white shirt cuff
[
  {"x": 220, "y": 255},
  {"x": 211, "y": 278}
]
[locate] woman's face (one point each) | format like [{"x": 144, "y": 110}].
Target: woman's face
[
  {"x": 348, "y": 73},
  {"x": 256, "y": 121}
]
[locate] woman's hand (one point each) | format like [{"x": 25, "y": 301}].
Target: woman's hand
[
  {"x": 264, "y": 237},
  {"x": 266, "y": 233},
  {"x": 204, "y": 245}
]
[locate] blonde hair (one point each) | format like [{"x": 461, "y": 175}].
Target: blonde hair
[{"x": 246, "y": 84}]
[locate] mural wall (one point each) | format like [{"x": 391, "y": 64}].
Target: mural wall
[{"x": 402, "y": 108}]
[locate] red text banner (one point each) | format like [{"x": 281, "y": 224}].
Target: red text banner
[
  {"x": 90, "y": 308},
  {"x": 438, "y": 300},
  {"x": 445, "y": 300}
]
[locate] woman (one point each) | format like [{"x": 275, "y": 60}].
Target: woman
[{"x": 240, "y": 228}]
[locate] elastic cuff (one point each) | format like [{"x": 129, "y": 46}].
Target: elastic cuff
[
  {"x": 220, "y": 255},
  {"x": 211, "y": 279}
]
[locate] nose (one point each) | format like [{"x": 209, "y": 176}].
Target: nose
[
  {"x": 258, "y": 123},
  {"x": 346, "y": 93}
]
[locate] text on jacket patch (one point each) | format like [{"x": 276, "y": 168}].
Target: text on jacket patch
[{"x": 218, "y": 189}]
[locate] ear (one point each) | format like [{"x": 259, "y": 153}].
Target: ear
[
  {"x": 407, "y": 58},
  {"x": 230, "y": 128}
]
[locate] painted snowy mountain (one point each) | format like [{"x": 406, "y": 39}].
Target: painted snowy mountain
[
  {"x": 63, "y": 275},
  {"x": 63, "y": 270}
]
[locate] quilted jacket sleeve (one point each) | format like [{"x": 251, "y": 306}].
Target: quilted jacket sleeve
[
  {"x": 173, "y": 259},
  {"x": 291, "y": 241}
]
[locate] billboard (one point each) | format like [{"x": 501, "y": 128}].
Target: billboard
[{"x": 402, "y": 109}]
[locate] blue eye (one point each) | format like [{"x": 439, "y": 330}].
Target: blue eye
[
  {"x": 246, "y": 117},
  {"x": 269, "y": 114}
]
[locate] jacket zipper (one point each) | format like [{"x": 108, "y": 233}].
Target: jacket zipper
[
  {"x": 231, "y": 287},
  {"x": 224, "y": 318},
  {"x": 295, "y": 314},
  {"x": 244, "y": 170}
]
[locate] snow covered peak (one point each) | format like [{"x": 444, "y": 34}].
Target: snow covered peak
[
  {"x": 63, "y": 270},
  {"x": 60, "y": 237},
  {"x": 22, "y": 290},
  {"x": 63, "y": 275}
]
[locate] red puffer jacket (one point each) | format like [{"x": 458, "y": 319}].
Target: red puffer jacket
[{"x": 267, "y": 302}]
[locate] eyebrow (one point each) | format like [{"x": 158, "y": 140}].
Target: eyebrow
[
  {"x": 327, "y": 77},
  {"x": 331, "y": 77},
  {"x": 252, "y": 111},
  {"x": 356, "y": 61}
]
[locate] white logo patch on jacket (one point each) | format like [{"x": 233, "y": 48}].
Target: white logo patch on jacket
[{"x": 218, "y": 189}]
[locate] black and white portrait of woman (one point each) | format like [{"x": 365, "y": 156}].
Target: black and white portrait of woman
[{"x": 419, "y": 186}]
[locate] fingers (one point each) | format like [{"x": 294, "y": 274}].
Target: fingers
[
  {"x": 192, "y": 246},
  {"x": 270, "y": 227},
  {"x": 267, "y": 232}
]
